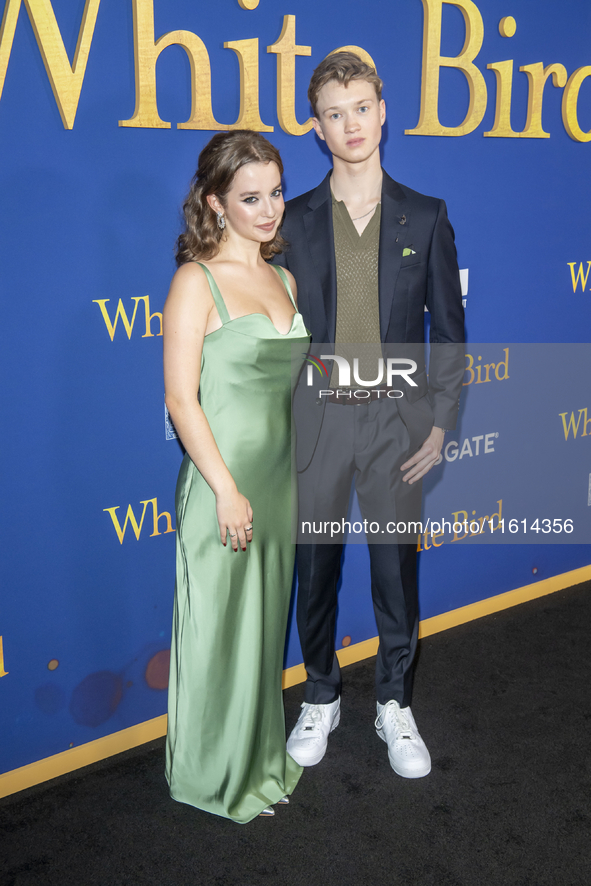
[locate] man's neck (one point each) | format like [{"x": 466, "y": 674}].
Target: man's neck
[{"x": 357, "y": 184}]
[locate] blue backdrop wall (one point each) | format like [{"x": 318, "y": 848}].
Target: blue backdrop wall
[{"x": 90, "y": 212}]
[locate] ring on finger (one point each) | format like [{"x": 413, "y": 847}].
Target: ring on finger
[
  {"x": 233, "y": 535},
  {"x": 248, "y": 528}
]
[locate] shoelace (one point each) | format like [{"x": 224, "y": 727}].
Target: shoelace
[
  {"x": 401, "y": 720},
  {"x": 311, "y": 718}
]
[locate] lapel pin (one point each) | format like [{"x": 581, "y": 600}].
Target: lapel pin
[{"x": 402, "y": 220}]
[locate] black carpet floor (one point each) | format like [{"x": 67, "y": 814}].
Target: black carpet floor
[{"x": 504, "y": 704}]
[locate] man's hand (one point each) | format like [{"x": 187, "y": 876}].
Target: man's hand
[{"x": 423, "y": 460}]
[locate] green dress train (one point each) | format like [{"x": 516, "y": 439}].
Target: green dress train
[{"x": 225, "y": 749}]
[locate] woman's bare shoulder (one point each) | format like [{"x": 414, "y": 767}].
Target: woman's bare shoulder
[
  {"x": 190, "y": 274},
  {"x": 190, "y": 284}
]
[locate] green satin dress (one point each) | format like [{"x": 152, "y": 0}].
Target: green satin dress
[{"x": 225, "y": 750}]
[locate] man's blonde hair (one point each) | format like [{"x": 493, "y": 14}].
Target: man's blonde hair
[{"x": 342, "y": 67}]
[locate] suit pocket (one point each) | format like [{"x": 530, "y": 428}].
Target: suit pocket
[{"x": 410, "y": 260}]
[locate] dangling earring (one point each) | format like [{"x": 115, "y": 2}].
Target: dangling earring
[{"x": 221, "y": 221}]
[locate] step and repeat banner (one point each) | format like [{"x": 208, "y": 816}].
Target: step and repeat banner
[{"x": 104, "y": 107}]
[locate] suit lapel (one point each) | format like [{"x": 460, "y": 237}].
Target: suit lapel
[
  {"x": 319, "y": 232},
  {"x": 395, "y": 222}
]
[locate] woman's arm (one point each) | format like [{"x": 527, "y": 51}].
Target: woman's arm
[{"x": 188, "y": 314}]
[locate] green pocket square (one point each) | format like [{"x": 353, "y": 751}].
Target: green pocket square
[{"x": 408, "y": 250}]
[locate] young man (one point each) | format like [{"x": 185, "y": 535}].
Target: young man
[{"x": 368, "y": 255}]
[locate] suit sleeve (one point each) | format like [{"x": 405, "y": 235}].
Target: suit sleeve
[{"x": 444, "y": 303}]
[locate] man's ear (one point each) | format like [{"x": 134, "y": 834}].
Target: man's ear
[
  {"x": 382, "y": 111},
  {"x": 214, "y": 203},
  {"x": 318, "y": 128}
]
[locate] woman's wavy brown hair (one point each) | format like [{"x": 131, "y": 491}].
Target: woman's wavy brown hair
[{"x": 219, "y": 161}]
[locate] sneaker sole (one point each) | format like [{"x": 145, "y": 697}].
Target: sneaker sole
[
  {"x": 416, "y": 773},
  {"x": 314, "y": 759}
]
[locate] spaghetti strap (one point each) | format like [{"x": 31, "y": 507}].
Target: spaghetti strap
[
  {"x": 216, "y": 294},
  {"x": 283, "y": 276}
]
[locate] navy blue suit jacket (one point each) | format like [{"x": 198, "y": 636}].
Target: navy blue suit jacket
[{"x": 428, "y": 277}]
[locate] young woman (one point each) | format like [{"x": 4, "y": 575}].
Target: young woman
[{"x": 230, "y": 321}]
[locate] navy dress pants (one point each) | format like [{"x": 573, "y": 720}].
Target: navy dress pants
[{"x": 363, "y": 443}]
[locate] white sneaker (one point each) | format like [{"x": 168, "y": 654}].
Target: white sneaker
[
  {"x": 407, "y": 751},
  {"x": 309, "y": 737}
]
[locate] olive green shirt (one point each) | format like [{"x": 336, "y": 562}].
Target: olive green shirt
[{"x": 358, "y": 309}]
